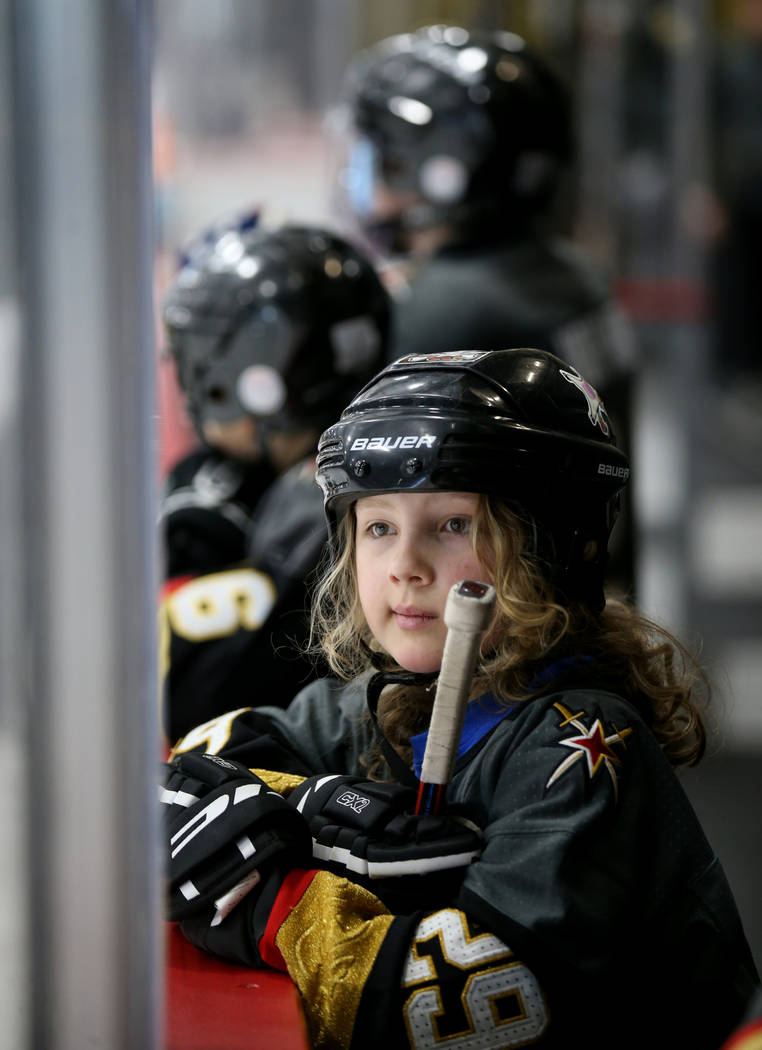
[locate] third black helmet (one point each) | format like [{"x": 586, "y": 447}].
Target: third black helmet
[{"x": 473, "y": 122}]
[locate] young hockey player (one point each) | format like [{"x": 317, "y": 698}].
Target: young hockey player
[
  {"x": 272, "y": 332},
  {"x": 460, "y": 144},
  {"x": 567, "y": 896}
]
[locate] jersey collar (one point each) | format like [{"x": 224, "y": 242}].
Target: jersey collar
[{"x": 482, "y": 715}]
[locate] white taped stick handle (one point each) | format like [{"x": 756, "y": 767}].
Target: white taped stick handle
[
  {"x": 468, "y": 612},
  {"x": 225, "y": 904}
]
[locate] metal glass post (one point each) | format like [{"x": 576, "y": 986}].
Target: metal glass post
[{"x": 82, "y": 147}]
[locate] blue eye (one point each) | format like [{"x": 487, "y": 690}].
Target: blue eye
[{"x": 377, "y": 528}]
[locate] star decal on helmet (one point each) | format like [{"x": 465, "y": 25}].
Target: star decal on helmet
[{"x": 592, "y": 745}]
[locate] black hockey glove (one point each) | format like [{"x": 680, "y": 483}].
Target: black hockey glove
[
  {"x": 369, "y": 833},
  {"x": 205, "y": 510},
  {"x": 223, "y": 824}
]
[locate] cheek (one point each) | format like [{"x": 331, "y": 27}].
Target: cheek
[
  {"x": 468, "y": 567},
  {"x": 366, "y": 570},
  {"x": 363, "y": 589},
  {"x": 237, "y": 437}
]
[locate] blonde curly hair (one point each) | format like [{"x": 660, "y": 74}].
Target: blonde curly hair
[{"x": 644, "y": 662}]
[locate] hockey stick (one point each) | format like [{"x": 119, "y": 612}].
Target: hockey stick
[
  {"x": 467, "y": 615},
  {"x": 468, "y": 611},
  {"x": 224, "y": 905}
]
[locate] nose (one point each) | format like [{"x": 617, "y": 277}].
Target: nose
[{"x": 409, "y": 563}]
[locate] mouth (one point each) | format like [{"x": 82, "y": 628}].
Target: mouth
[{"x": 410, "y": 618}]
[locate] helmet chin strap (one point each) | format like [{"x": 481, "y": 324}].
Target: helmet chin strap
[
  {"x": 376, "y": 685},
  {"x": 266, "y": 427},
  {"x": 262, "y": 431}
]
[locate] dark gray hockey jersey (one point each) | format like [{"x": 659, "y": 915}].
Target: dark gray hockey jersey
[
  {"x": 597, "y": 914},
  {"x": 233, "y": 631}
]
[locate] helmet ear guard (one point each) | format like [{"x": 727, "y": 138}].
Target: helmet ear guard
[
  {"x": 574, "y": 556},
  {"x": 443, "y": 179},
  {"x": 517, "y": 425}
]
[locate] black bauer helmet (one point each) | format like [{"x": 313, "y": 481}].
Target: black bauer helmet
[
  {"x": 285, "y": 325},
  {"x": 519, "y": 425},
  {"x": 472, "y": 121}
]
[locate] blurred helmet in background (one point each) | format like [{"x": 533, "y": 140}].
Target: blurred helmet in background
[
  {"x": 283, "y": 325},
  {"x": 454, "y": 126}
]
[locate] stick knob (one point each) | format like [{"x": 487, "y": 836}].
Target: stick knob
[{"x": 467, "y": 614}]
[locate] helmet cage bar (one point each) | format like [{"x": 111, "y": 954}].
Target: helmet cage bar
[{"x": 212, "y": 363}]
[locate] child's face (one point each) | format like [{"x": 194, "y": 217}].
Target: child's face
[
  {"x": 411, "y": 548},
  {"x": 235, "y": 437},
  {"x": 242, "y": 439}
]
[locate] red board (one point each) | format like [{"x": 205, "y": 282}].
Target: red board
[{"x": 213, "y": 1005}]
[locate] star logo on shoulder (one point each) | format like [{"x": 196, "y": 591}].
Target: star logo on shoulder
[{"x": 591, "y": 745}]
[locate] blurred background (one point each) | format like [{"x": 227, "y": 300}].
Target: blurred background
[{"x": 666, "y": 196}]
